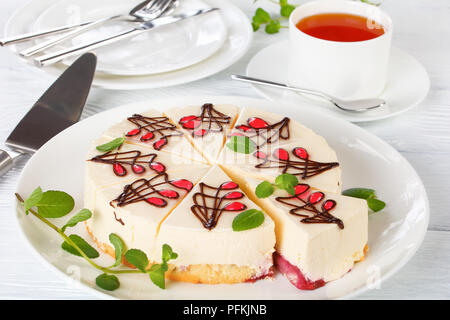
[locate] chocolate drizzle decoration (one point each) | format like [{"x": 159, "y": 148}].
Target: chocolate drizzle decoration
[
  {"x": 213, "y": 119},
  {"x": 209, "y": 208},
  {"x": 156, "y": 191},
  {"x": 306, "y": 201},
  {"x": 135, "y": 160},
  {"x": 264, "y": 133},
  {"x": 303, "y": 167},
  {"x": 151, "y": 128}
]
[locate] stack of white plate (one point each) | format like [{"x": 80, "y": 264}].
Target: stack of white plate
[{"x": 186, "y": 51}]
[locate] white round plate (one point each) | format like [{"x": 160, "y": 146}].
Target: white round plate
[
  {"x": 239, "y": 37},
  {"x": 367, "y": 161},
  {"x": 408, "y": 84},
  {"x": 169, "y": 48}
]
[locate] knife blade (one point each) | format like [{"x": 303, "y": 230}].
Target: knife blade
[
  {"x": 54, "y": 57},
  {"x": 57, "y": 109}
]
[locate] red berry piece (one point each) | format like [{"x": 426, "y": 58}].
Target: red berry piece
[
  {"x": 236, "y": 134},
  {"x": 235, "y": 206},
  {"x": 148, "y": 136},
  {"x": 182, "y": 184},
  {"x": 329, "y": 205},
  {"x": 315, "y": 197},
  {"x": 137, "y": 168},
  {"x": 257, "y": 123},
  {"x": 301, "y": 153},
  {"x": 260, "y": 155},
  {"x": 190, "y": 122},
  {"x": 119, "y": 169},
  {"x": 157, "y": 202},
  {"x": 243, "y": 127},
  {"x": 234, "y": 195},
  {"x": 199, "y": 132},
  {"x": 133, "y": 132},
  {"x": 160, "y": 143},
  {"x": 281, "y": 154},
  {"x": 301, "y": 188},
  {"x": 171, "y": 194},
  {"x": 228, "y": 185},
  {"x": 158, "y": 167}
]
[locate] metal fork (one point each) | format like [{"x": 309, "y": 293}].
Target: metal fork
[{"x": 145, "y": 11}]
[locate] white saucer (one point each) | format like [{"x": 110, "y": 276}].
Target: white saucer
[
  {"x": 237, "y": 42},
  {"x": 167, "y": 49},
  {"x": 367, "y": 161},
  {"x": 408, "y": 84}
]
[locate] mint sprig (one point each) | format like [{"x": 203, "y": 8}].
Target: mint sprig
[
  {"x": 248, "y": 219},
  {"x": 56, "y": 204},
  {"x": 113, "y": 144},
  {"x": 369, "y": 195},
  {"x": 264, "y": 189},
  {"x": 157, "y": 271}
]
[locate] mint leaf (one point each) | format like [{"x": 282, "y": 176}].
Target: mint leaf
[
  {"x": 83, "y": 215},
  {"x": 119, "y": 248},
  {"x": 107, "y": 282},
  {"x": 261, "y": 16},
  {"x": 286, "y": 10},
  {"x": 137, "y": 258},
  {"x": 361, "y": 193},
  {"x": 248, "y": 219},
  {"x": 55, "y": 204},
  {"x": 111, "y": 145},
  {"x": 287, "y": 182},
  {"x": 167, "y": 253},
  {"x": 156, "y": 274},
  {"x": 82, "y": 244},
  {"x": 33, "y": 199},
  {"x": 375, "y": 205},
  {"x": 264, "y": 189},
  {"x": 241, "y": 144},
  {"x": 273, "y": 27}
]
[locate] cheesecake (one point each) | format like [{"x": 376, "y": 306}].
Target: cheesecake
[
  {"x": 320, "y": 235},
  {"x": 178, "y": 179},
  {"x": 209, "y": 250}
]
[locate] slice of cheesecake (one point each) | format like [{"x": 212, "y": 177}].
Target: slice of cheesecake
[
  {"x": 320, "y": 235},
  {"x": 200, "y": 231},
  {"x": 153, "y": 130},
  {"x": 206, "y": 126},
  {"x": 280, "y": 145},
  {"x": 134, "y": 208}
]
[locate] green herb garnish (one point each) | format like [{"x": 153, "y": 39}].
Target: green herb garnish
[
  {"x": 113, "y": 144},
  {"x": 248, "y": 219},
  {"x": 241, "y": 144},
  {"x": 284, "y": 181},
  {"x": 367, "y": 194},
  {"x": 56, "y": 204}
]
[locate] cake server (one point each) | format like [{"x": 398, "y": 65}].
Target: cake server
[{"x": 58, "y": 108}]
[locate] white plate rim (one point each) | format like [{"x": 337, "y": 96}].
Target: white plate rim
[
  {"x": 243, "y": 101},
  {"x": 181, "y": 76},
  {"x": 264, "y": 94}
]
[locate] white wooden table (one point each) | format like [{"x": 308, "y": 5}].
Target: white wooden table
[{"x": 422, "y": 135}]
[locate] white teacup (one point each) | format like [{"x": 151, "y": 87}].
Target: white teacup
[{"x": 346, "y": 70}]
